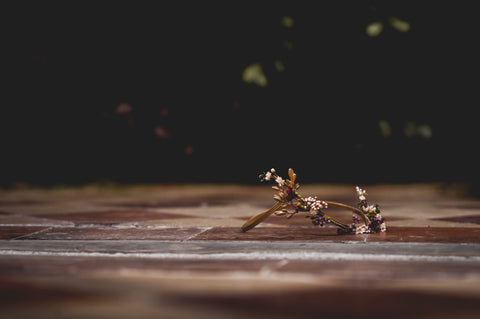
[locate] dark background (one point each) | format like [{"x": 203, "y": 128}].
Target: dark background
[{"x": 153, "y": 92}]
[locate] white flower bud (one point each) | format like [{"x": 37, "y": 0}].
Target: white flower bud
[
  {"x": 383, "y": 227},
  {"x": 361, "y": 229},
  {"x": 279, "y": 181}
]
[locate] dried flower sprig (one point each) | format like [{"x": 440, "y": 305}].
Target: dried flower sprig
[{"x": 366, "y": 218}]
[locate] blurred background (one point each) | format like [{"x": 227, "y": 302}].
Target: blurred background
[{"x": 342, "y": 91}]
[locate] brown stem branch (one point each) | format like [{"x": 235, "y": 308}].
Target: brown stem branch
[
  {"x": 257, "y": 219},
  {"x": 353, "y": 209}
]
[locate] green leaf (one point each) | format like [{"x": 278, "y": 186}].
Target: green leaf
[
  {"x": 374, "y": 29},
  {"x": 254, "y": 74},
  {"x": 385, "y": 128},
  {"x": 287, "y": 21},
  {"x": 399, "y": 25},
  {"x": 279, "y": 65}
]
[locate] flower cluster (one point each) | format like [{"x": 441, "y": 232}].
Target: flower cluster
[
  {"x": 287, "y": 196},
  {"x": 272, "y": 175},
  {"x": 354, "y": 227},
  {"x": 314, "y": 204},
  {"x": 361, "y": 194},
  {"x": 319, "y": 220},
  {"x": 377, "y": 222},
  {"x": 366, "y": 218}
]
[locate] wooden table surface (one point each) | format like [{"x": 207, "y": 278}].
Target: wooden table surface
[{"x": 177, "y": 251}]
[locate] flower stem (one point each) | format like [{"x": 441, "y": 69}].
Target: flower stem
[
  {"x": 257, "y": 219},
  {"x": 353, "y": 209}
]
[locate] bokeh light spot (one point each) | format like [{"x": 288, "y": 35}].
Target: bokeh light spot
[
  {"x": 287, "y": 21},
  {"x": 399, "y": 25},
  {"x": 254, "y": 74},
  {"x": 374, "y": 29}
]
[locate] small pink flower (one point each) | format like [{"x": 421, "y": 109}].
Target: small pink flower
[
  {"x": 161, "y": 132},
  {"x": 123, "y": 109}
]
